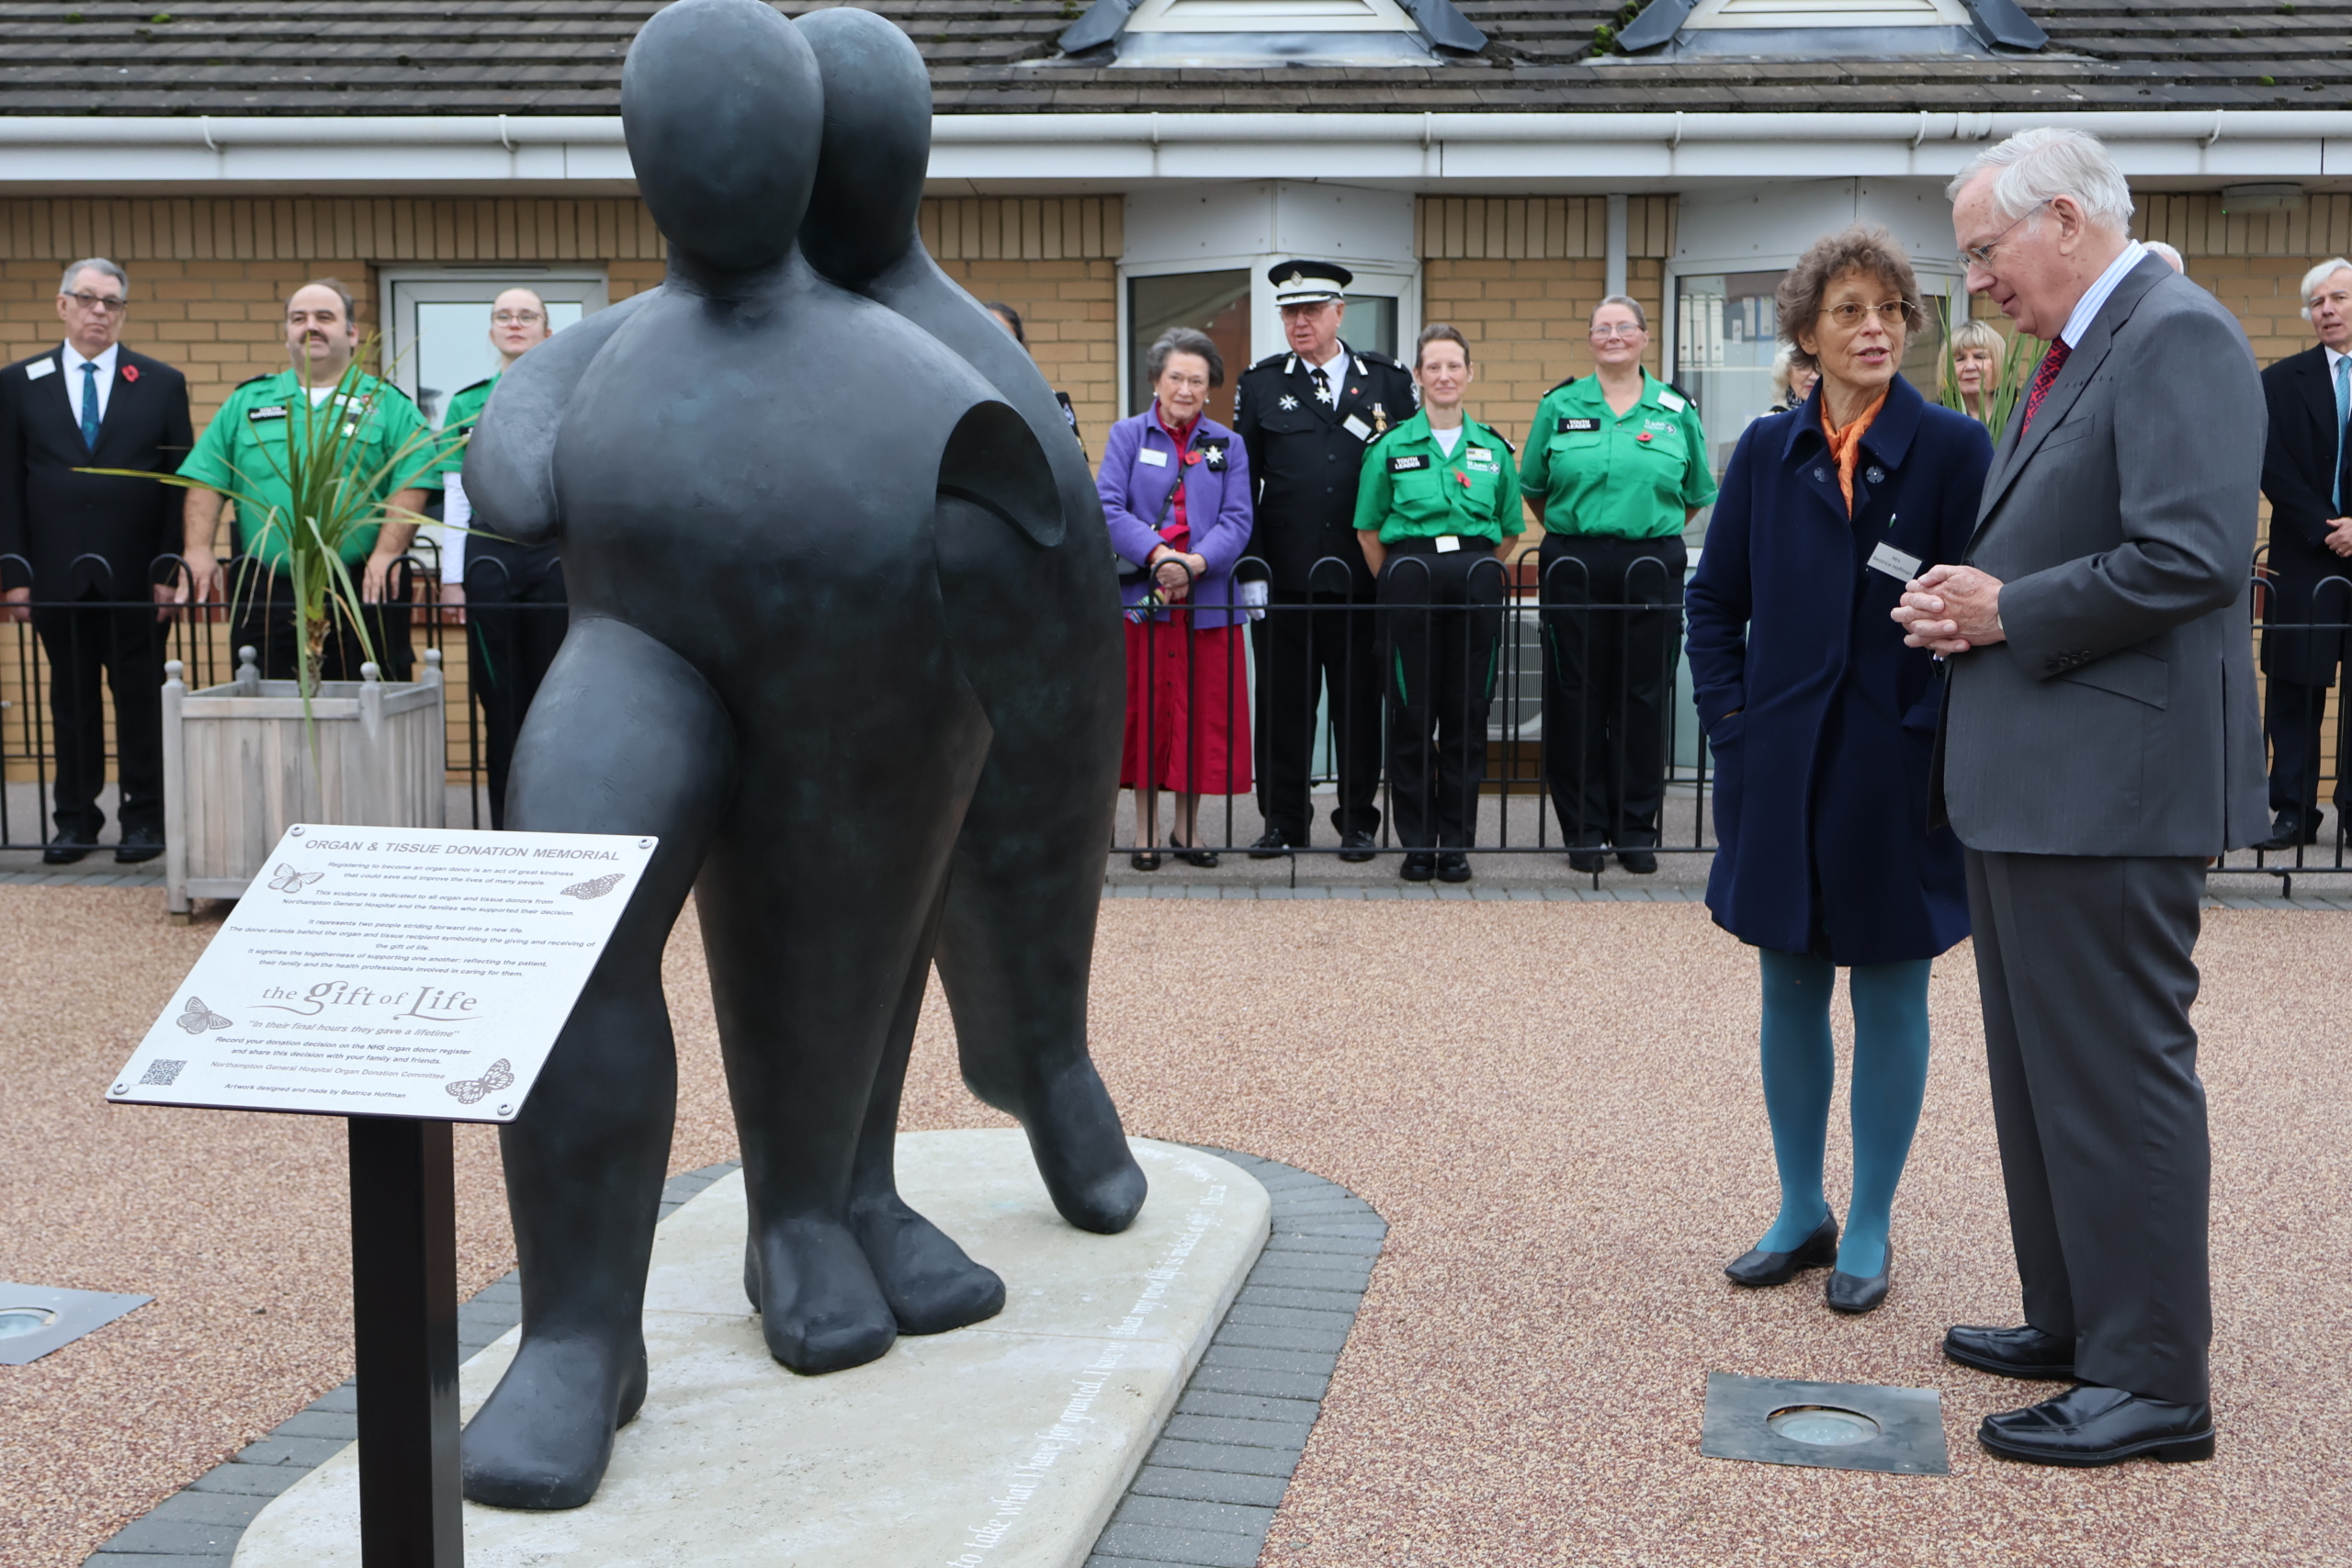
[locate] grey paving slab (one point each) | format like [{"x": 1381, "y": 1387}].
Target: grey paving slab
[
  {"x": 1253, "y": 1383},
  {"x": 208, "y": 1509},
  {"x": 105, "y": 1558},
  {"x": 1195, "y": 1514},
  {"x": 1203, "y": 1548},
  {"x": 1191, "y": 1455},
  {"x": 1197, "y": 1401},
  {"x": 1208, "y": 1486}
]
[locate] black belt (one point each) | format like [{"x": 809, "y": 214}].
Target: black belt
[{"x": 1423, "y": 546}]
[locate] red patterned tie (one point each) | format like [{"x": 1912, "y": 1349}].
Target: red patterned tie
[{"x": 2051, "y": 363}]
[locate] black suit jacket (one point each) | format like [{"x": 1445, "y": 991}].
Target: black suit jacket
[
  {"x": 53, "y": 520},
  {"x": 2296, "y": 463},
  {"x": 1305, "y": 460}
]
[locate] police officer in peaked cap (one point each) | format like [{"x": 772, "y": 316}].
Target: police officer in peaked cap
[{"x": 1305, "y": 415}]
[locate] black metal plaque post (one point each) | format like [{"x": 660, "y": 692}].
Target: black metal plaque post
[{"x": 404, "y": 1318}]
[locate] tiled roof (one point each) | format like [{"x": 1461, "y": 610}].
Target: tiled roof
[{"x": 224, "y": 57}]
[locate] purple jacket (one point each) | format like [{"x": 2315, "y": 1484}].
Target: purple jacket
[{"x": 1217, "y": 506}]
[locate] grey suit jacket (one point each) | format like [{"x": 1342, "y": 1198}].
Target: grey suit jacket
[{"x": 2119, "y": 717}]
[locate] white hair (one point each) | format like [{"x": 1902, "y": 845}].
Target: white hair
[
  {"x": 2172, "y": 258},
  {"x": 2040, "y": 165},
  {"x": 2317, "y": 276},
  {"x": 99, "y": 264}
]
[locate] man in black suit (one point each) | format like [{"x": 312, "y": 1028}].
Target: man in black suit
[
  {"x": 2307, "y": 474},
  {"x": 1306, "y": 416},
  {"x": 90, "y": 548}
]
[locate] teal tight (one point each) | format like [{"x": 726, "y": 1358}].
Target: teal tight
[{"x": 1800, "y": 1071}]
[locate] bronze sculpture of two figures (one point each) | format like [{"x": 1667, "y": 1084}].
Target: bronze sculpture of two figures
[{"x": 842, "y": 635}]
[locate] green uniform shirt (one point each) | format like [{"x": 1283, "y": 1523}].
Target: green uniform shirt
[
  {"x": 457, "y": 424},
  {"x": 1630, "y": 477},
  {"x": 244, "y": 448},
  {"x": 1408, "y": 489}
]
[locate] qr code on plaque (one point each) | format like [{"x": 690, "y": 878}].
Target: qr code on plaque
[{"x": 162, "y": 1070}]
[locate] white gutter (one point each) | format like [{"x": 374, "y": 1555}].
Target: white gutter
[{"x": 1417, "y": 149}]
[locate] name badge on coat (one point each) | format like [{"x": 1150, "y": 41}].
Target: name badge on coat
[
  {"x": 1157, "y": 459},
  {"x": 1895, "y": 563},
  {"x": 1578, "y": 426},
  {"x": 1408, "y": 465},
  {"x": 1356, "y": 428}
]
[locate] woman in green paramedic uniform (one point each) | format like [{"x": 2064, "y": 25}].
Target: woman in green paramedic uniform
[
  {"x": 1617, "y": 465},
  {"x": 1436, "y": 507}
]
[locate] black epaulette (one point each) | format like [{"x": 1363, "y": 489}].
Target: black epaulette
[
  {"x": 463, "y": 390},
  {"x": 1269, "y": 361},
  {"x": 251, "y": 380},
  {"x": 384, "y": 386},
  {"x": 1569, "y": 382},
  {"x": 1501, "y": 437},
  {"x": 1679, "y": 391},
  {"x": 1375, "y": 356}
]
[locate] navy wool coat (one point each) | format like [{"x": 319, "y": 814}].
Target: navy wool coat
[{"x": 1822, "y": 723}]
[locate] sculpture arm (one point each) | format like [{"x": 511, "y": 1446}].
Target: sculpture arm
[{"x": 510, "y": 461}]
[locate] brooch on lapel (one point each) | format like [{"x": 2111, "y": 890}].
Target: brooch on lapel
[
  {"x": 131, "y": 373},
  {"x": 1289, "y": 401},
  {"x": 1875, "y": 474},
  {"x": 1213, "y": 454}
]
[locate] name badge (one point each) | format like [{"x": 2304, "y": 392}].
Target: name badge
[
  {"x": 1675, "y": 402},
  {"x": 1157, "y": 459},
  {"x": 1407, "y": 464},
  {"x": 1895, "y": 563},
  {"x": 1578, "y": 426},
  {"x": 1480, "y": 453},
  {"x": 38, "y": 368},
  {"x": 257, "y": 415},
  {"x": 1448, "y": 543},
  {"x": 1356, "y": 428}
]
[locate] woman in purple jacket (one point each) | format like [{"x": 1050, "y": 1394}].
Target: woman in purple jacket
[{"x": 1188, "y": 704}]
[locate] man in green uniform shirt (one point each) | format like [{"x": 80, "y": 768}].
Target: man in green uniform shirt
[
  {"x": 511, "y": 594},
  {"x": 1617, "y": 465},
  {"x": 1437, "y": 510},
  {"x": 244, "y": 448}
]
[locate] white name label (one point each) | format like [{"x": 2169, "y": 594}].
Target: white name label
[
  {"x": 38, "y": 368},
  {"x": 1675, "y": 402},
  {"x": 1448, "y": 543},
  {"x": 391, "y": 972},
  {"x": 1895, "y": 563},
  {"x": 1356, "y": 428},
  {"x": 1157, "y": 459}
]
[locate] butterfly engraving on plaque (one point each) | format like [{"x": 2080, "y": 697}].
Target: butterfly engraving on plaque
[
  {"x": 200, "y": 1018},
  {"x": 596, "y": 888},
  {"x": 468, "y": 1090},
  {"x": 289, "y": 880}
]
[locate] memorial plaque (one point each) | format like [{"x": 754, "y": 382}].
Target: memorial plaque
[{"x": 391, "y": 972}]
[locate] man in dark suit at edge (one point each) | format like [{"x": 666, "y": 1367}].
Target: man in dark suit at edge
[
  {"x": 2099, "y": 744},
  {"x": 2307, "y": 473},
  {"x": 81, "y": 543}
]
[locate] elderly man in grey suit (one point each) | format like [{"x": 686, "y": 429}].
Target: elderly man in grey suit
[{"x": 2100, "y": 741}]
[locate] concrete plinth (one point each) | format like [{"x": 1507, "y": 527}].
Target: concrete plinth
[{"x": 1007, "y": 1444}]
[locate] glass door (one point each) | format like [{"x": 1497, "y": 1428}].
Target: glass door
[{"x": 438, "y": 321}]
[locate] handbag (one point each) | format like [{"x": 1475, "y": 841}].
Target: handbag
[{"x": 1128, "y": 571}]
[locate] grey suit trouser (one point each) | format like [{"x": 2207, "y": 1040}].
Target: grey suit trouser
[{"x": 2085, "y": 965}]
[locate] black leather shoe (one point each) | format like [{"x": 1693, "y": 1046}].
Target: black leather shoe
[
  {"x": 1145, "y": 860},
  {"x": 2292, "y": 827},
  {"x": 1419, "y": 866},
  {"x": 1640, "y": 862},
  {"x": 2086, "y": 1427},
  {"x": 1454, "y": 866},
  {"x": 1204, "y": 858},
  {"x": 139, "y": 844},
  {"x": 1588, "y": 860},
  {"x": 1852, "y": 1294},
  {"x": 64, "y": 851},
  {"x": 1357, "y": 847},
  {"x": 2025, "y": 1352},
  {"x": 1758, "y": 1268},
  {"x": 1271, "y": 845}
]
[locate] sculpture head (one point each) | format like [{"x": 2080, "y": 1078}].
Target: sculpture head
[
  {"x": 876, "y": 145},
  {"x": 724, "y": 112}
]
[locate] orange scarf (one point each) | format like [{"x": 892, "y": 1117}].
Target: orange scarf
[{"x": 1845, "y": 444}]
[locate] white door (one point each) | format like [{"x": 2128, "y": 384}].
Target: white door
[{"x": 438, "y": 321}]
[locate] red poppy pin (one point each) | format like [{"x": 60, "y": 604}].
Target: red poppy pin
[
  {"x": 1462, "y": 477},
  {"x": 131, "y": 373},
  {"x": 1645, "y": 436}
]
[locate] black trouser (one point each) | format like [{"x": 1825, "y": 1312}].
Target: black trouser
[
  {"x": 128, "y": 644},
  {"x": 1441, "y": 616},
  {"x": 262, "y": 618},
  {"x": 516, "y": 616},
  {"x": 1307, "y": 645},
  {"x": 2291, "y": 717},
  {"x": 1608, "y": 676},
  {"x": 2086, "y": 967}
]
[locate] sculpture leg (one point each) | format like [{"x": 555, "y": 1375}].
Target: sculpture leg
[{"x": 623, "y": 738}]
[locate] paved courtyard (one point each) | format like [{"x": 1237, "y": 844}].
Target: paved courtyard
[{"x": 1553, "y": 1104}]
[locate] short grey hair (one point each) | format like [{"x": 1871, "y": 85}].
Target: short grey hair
[
  {"x": 2317, "y": 276},
  {"x": 1641, "y": 316},
  {"x": 2040, "y": 165},
  {"x": 1184, "y": 340},
  {"x": 1788, "y": 361},
  {"x": 2172, "y": 258},
  {"x": 97, "y": 264}
]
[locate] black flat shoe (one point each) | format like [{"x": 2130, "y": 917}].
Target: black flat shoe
[
  {"x": 2088, "y": 1426},
  {"x": 1145, "y": 860},
  {"x": 1419, "y": 866},
  {"x": 1206, "y": 859},
  {"x": 1759, "y": 1268},
  {"x": 1588, "y": 860},
  {"x": 64, "y": 851},
  {"x": 139, "y": 844},
  {"x": 1271, "y": 845},
  {"x": 1852, "y": 1294},
  {"x": 1357, "y": 847},
  {"x": 1454, "y": 867},
  {"x": 1640, "y": 862},
  {"x": 2025, "y": 1352}
]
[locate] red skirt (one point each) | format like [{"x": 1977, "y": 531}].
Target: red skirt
[{"x": 1188, "y": 709}]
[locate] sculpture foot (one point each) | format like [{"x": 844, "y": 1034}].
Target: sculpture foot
[
  {"x": 822, "y": 1310},
  {"x": 1082, "y": 1151},
  {"x": 544, "y": 1437},
  {"x": 931, "y": 1284}
]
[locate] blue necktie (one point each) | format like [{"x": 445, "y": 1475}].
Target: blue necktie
[
  {"x": 2343, "y": 414},
  {"x": 90, "y": 405}
]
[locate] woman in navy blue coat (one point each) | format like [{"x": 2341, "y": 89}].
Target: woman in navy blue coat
[{"x": 1822, "y": 724}]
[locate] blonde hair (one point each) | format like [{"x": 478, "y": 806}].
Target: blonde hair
[
  {"x": 1786, "y": 363},
  {"x": 1977, "y": 334}
]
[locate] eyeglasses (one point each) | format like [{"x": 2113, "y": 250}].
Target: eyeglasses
[
  {"x": 1981, "y": 255},
  {"x": 98, "y": 302},
  {"x": 516, "y": 319},
  {"x": 1848, "y": 316},
  {"x": 1617, "y": 332}
]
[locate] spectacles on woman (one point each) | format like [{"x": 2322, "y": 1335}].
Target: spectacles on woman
[
  {"x": 1848, "y": 316},
  {"x": 518, "y": 319},
  {"x": 1616, "y": 332}
]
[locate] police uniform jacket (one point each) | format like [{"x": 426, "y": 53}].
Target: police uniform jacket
[
  {"x": 52, "y": 519},
  {"x": 1305, "y": 453}
]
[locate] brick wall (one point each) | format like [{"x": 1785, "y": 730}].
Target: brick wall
[{"x": 1055, "y": 261}]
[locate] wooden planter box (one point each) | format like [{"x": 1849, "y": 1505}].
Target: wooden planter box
[{"x": 238, "y": 770}]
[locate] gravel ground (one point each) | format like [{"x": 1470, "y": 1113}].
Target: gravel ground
[{"x": 1556, "y": 1107}]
